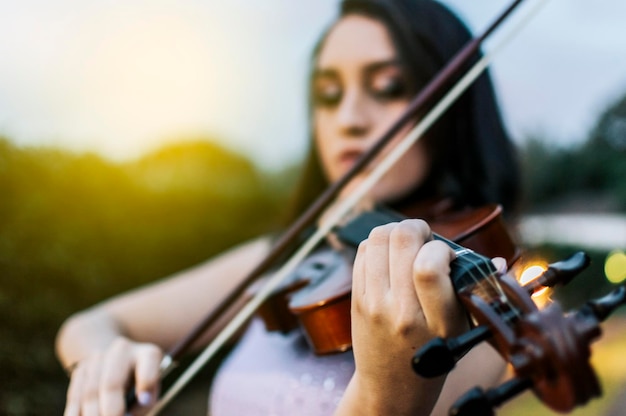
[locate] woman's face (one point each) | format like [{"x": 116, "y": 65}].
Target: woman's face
[{"x": 359, "y": 91}]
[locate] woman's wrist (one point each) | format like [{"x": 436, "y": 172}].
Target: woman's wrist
[
  {"x": 413, "y": 396},
  {"x": 84, "y": 334}
]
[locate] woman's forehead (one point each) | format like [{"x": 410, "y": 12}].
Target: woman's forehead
[{"x": 356, "y": 40}]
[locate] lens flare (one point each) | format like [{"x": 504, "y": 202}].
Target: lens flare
[{"x": 531, "y": 272}]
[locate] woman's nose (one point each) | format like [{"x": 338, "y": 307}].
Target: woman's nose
[{"x": 353, "y": 116}]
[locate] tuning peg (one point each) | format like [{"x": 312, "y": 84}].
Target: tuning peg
[
  {"x": 439, "y": 355},
  {"x": 561, "y": 272},
  {"x": 602, "y": 307},
  {"x": 478, "y": 402}
]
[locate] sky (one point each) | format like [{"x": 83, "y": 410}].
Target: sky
[{"x": 123, "y": 77}]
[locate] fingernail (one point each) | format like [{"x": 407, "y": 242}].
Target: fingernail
[{"x": 144, "y": 398}]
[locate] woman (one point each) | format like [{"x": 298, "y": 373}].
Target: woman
[{"x": 365, "y": 70}]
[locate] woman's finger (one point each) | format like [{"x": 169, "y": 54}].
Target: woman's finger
[
  {"x": 358, "y": 272},
  {"x": 500, "y": 263},
  {"x": 405, "y": 241},
  {"x": 377, "y": 261},
  {"x": 431, "y": 277},
  {"x": 147, "y": 373},
  {"x": 91, "y": 391},
  {"x": 117, "y": 368},
  {"x": 74, "y": 391}
]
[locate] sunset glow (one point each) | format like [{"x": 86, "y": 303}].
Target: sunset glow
[{"x": 123, "y": 78}]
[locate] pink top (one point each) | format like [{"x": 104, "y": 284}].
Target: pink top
[{"x": 272, "y": 374}]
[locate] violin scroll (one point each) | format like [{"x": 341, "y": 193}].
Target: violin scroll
[
  {"x": 439, "y": 356},
  {"x": 549, "y": 350}
]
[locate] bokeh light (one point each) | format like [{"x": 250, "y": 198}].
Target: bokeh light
[
  {"x": 530, "y": 272},
  {"x": 615, "y": 266}
]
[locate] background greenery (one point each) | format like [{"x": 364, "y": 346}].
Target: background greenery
[{"x": 76, "y": 229}]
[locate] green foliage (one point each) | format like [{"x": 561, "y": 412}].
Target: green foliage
[
  {"x": 595, "y": 169},
  {"x": 76, "y": 229},
  {"x": 609, "y": 138}
]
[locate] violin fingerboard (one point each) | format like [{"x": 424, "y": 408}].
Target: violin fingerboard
[
  {"x": 468, "y": 269},
  {"x": 358, "y": 229}
]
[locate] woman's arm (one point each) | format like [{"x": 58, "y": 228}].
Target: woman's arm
[{"x": 125, "y": 336}]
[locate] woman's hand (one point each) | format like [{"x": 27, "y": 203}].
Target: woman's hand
[
  {"x": 99, "y": 382},
  {"x": 402, "y": 297}
]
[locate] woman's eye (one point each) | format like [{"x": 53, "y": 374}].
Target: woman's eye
[
  {"x": 389, "y": 89},
  {"x": 327, "y": 96}
]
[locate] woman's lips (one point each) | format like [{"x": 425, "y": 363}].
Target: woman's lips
[{"x": 347, "y": 159}]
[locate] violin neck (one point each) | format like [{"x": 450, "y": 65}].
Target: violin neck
[
  {"x": 466, "y": 270},
  {"x": 469, "y": 267}
]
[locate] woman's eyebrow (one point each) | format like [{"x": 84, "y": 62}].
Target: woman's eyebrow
[
  {"x": 324, "y": 72},
  {"x": 368, "y": 68},
  {"x": 378, "y": 65}
]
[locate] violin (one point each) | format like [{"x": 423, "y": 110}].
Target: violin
[
  {"x": 548, "y": 349},
  {"x": 316, "y": 297}
]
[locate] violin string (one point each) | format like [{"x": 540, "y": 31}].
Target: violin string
[
  {"x": 486, "y": 276},
  {"x": 478, "y": 263},
  {"x": 336, "y": 215},
  {"x": 474, "y": 263}
]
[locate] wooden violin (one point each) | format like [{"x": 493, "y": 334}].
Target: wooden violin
[
  {"x": 548, "y": 349},
  {"x": 317, "y": 295}
]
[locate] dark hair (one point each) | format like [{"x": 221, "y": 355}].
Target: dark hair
[{"x": 474, "y": 161}]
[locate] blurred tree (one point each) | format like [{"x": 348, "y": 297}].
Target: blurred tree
[
  {"x": 609, "y": 140},
  {"x": 592, "y": 171},
  {"x": 75, "y": 229}
]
